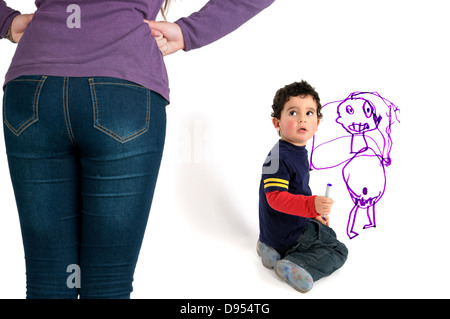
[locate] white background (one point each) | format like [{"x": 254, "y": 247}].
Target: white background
[{"x": 203, "y": 226}]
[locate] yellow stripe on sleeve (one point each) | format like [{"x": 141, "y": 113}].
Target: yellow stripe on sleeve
[
  {"x": 278, "y": 180},
  {"x": 276, "y": 185}
]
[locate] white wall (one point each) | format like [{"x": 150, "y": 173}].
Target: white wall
[{"x": 200, "y": 240}]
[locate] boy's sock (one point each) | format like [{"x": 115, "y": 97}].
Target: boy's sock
[
  {"x": 294, "y": 275},
  {"x": 268, "y": 255}
]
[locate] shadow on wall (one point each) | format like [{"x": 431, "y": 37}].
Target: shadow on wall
[{"x": 208, "y": 206}]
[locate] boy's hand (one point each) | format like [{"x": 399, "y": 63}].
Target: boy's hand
[
  {"x": 325, "y": 219},
  {"x": 323, "y": 205}
]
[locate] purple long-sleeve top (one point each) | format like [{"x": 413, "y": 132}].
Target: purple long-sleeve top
[{"x": 111, "y": 38}]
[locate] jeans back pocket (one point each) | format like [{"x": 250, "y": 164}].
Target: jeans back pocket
[
  {"x": 21, "y": 102},
  {"x": 121, "y": 108}
]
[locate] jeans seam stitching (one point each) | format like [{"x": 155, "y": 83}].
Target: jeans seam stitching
[{"x": 66, "y": 110}]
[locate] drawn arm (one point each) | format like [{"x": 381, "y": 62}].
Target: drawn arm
[{"x": 331, "y": 153}]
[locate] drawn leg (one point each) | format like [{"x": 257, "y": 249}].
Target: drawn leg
[
  {"x": 351, "y": 222},
  {"x": 372, "y": 222}
]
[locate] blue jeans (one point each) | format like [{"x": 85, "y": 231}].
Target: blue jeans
[
  {"x": 83, "y": 155},
  {"x": 318, "y": 251}
]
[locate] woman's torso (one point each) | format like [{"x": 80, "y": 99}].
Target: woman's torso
[{"x": 93, "y": 38}]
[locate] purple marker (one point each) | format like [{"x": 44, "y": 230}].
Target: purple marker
[{"x": 327, "y": 192}]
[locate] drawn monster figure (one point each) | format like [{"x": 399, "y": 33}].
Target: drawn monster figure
[{"x": 364, "y": 152}]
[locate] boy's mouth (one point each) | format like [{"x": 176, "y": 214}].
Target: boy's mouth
[{"x": 302, "y": 129}]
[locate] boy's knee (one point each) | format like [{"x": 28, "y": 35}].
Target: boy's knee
[{"x": 343, "y": 251}]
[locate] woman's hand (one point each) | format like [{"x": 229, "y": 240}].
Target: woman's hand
[
  {"x": 18, "y": 26},
  {"x": 168, "y": 36}
]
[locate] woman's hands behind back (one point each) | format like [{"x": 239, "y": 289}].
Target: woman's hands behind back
[
  {"x": 18, "y": 26},
  {"x": 168, "y": 36}
]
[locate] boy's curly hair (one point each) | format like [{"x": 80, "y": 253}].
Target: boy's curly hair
[{"x": 301, "y": 89}]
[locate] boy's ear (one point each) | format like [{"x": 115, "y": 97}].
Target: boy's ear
[{"x": 276, "y": 123}]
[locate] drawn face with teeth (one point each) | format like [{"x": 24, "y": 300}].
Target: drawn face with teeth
[{"x": 357, "y": 116}]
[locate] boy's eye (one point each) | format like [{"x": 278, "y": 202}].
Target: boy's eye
[
  {"x": 310, "y": 113},
  {"x": 292, "y": 113}
]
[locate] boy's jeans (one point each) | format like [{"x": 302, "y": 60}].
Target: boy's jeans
[
  {"x": 84, "y": 155},
  {"x": 318, "y": 251}
]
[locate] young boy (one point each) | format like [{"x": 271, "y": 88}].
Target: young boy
[{"x": 294, "y": 237}]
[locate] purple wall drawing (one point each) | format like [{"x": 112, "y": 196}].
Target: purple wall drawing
[{"x": 362, "y": 148}]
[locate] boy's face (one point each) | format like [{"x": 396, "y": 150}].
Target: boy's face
[{"x": 298, "y": 121}]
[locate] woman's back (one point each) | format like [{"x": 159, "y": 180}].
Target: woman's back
[
  {"x": 92, "y": 38},
  {"x": 109, "y": 37}
]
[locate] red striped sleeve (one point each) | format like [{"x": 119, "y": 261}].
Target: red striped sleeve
[{"x": 291, "y": 204}]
